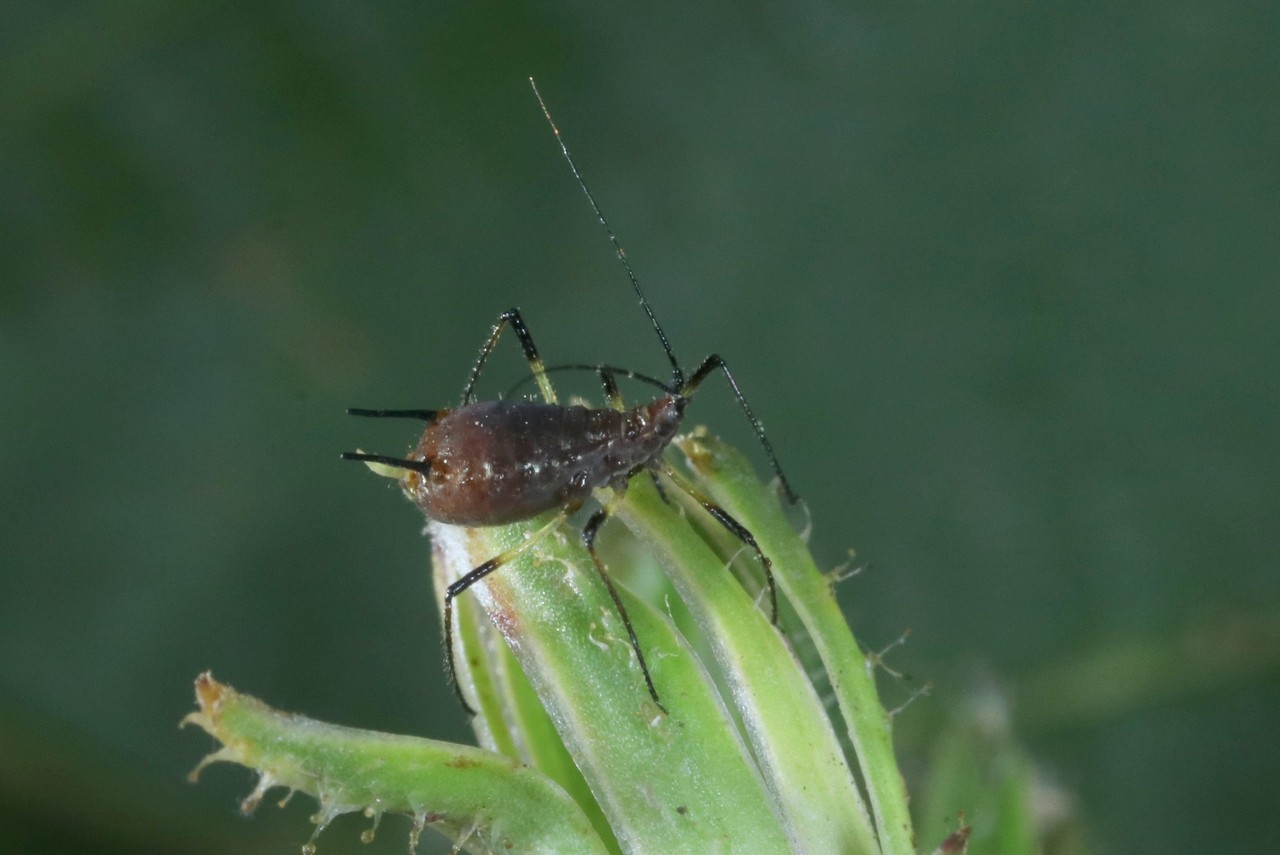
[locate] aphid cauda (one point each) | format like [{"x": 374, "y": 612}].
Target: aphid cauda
[{"x": 487, "y": 463}]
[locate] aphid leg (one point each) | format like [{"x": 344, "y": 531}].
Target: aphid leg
[
  {"x": 465, "y": 582},
  {"x": 511, "y": 316},
  {"x": 589, "y": 540},
  {"x": 736, "y": 528},
  {"x": 612, "y": 369},
  {"x": 657, "y": 485},
  {"x": 711, "y": 363},
  {"x": 611, "y": 393}
]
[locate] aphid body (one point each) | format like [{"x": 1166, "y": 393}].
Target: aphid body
[
  {"x": 488, "y": 463},
  {"x": 499, "y": 462}
]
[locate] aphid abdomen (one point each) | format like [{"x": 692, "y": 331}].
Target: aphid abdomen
[{"x": 498, "y": 462}]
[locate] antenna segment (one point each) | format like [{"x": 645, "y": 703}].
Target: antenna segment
[{"x": 677, "y": 375}]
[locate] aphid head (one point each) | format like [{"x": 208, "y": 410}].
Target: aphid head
[{"x": 667, "y": 412}]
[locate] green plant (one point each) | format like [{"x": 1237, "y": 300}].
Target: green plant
[{"x": 575, "y": 757}]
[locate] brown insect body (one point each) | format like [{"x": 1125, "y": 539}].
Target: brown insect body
[{"x": 497, "y": 462}]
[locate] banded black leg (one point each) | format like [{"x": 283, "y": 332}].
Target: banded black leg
[
  {"x": 589, "y": 540},
  {"x": 735, "y": 528},
  {"x": 512, "y": 317},
  {"x": 657, "y": 485},
  {"x": 465, "y": 582},
  {"x": 611, "y": 393},
  {"x": 711, "y": 363}
]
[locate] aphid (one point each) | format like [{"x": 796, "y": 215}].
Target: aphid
[{"x": 488, "y": 463}]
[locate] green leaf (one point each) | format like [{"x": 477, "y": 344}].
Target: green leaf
[
  {"x": 743, "y": 759},
  {"x": 729, "y": 480},
  {"x": 484, "y": 801},
  {"x": 795, "y": 748},
  {"x": 674, "y": 783}
]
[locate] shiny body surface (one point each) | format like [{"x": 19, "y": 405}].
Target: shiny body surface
[{"x": 498, "y": 462}]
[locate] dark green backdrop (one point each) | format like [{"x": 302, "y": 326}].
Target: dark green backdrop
[{"x": 1000, "y": 278}]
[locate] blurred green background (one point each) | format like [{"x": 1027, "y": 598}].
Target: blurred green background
[{"x": 1001, "y": 280}]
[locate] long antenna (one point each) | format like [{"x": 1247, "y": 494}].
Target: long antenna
[{"x": 677, "y": 375}]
